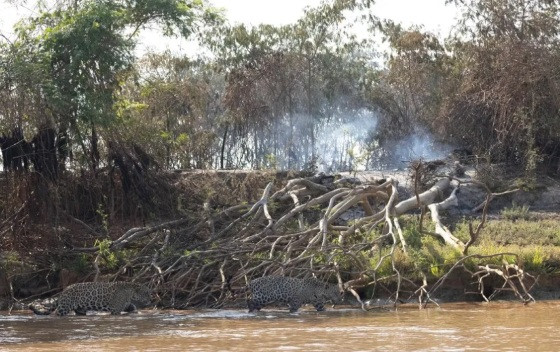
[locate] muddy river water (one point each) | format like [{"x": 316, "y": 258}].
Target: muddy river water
[{"x": 453, "y": 327}]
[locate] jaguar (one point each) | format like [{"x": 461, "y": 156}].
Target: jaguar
[
  {"x": 113, "y": 297},
  {"x": 291, "y": 291}
]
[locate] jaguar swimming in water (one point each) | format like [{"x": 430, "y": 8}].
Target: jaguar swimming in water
[
  {"x": 292, "y": 291},
  {"x": 113, "y": 297}
]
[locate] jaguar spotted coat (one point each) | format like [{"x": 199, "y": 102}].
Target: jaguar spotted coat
[
  {"x": 113, "y": 297},
  {"x": 291, "y": 291}
]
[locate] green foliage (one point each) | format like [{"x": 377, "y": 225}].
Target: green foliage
[
  {"x": 196, "y": 255},
  {"x": 385, "y": 268},
  {"x": 9, "y": 261},
  {"x": 536, "y": 244},
  {"x": 71, "y": 62},
  {"x": 103, "y": 216},
  {"x": 180, "y": 95},
  {"x": 411, "y": 230},
  {"x": 435, "y": 257},
  {"x": 537, "y": 258},
  {"x": 109, "y": 258},
  {"x": 189, "y": 253},
  {"x": 516, "y": 212},
  {"x": 87, "y": 52}
]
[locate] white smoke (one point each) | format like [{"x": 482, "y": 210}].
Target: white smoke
[
  {"x": 347, "y": 140},
  {"x": 346, "y": 143},
  {"x": 421, "y": 145},
  {"x": 342, "y": 141}
]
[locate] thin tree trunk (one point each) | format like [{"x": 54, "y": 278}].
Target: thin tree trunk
[
  {"x": 167, "y": 146},
  {"x": 311, "y": 122},
  {"x": 256, "y": 150},
  {"x": 94, "y": 148},
  {"x": 224, "y": 138},
  {"x": 81, "y": 141}
]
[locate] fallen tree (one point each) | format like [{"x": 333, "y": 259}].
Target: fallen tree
[{"x": 299, "y": 230}]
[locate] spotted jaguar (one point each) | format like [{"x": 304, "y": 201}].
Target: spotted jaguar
[
  {"x": 291, "y": 291},
  {"x": 113, "y": 297}
]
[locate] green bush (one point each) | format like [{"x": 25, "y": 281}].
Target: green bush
[{"x": 516, "y": 212}]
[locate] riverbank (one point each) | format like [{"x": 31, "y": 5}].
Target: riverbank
[
  {"x": 524, "y": 224},
  {"x": 534, "y": 240}
]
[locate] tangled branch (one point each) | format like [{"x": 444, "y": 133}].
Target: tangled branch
[{"x": 301, "y": 230}]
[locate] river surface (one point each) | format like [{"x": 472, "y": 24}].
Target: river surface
[{"x": 453, "y": 327}]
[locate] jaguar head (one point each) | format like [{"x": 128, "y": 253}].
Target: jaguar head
[
  {"x": 334, "y": 294},
  {"x": 142, "y": 295}
]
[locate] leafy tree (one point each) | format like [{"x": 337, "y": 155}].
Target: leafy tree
[
  {"x": 409, "y": 91},
  {"x": 85, "y": 48},
  {"x": 491, "y": 87},
  {"x": 170, "y": 105},
  {"x": 507, "y": 102}
]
